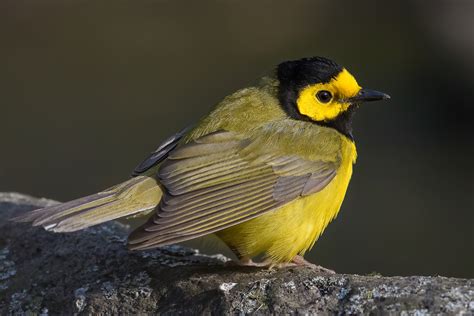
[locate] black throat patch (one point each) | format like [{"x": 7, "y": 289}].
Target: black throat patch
[{"x": 297, "y": 74}]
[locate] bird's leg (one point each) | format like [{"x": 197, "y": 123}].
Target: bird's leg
[
  {"x": 300, "y": 261},
  {"x": 248, "y": 262},
  {"x": 267, "y": 263}
]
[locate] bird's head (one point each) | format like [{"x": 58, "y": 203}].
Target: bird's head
[{"x": 319, "y": 90}]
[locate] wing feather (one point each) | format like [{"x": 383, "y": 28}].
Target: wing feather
[
  {"x": 160, "y": 153},
  {"x": 212, "y": 185}
]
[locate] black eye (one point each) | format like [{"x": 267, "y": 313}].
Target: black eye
[{"x": 324, "y": 96}]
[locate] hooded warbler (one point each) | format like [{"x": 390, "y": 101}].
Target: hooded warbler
[{"x": 265, "y": 171}]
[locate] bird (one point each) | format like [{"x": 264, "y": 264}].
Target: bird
[{"x": 265, "y": 171}]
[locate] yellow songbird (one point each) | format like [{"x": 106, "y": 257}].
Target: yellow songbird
[{"x": 265, "y": 171}]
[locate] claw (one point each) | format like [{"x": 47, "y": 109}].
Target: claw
[
  {"x": 268, "y": 263},
  {"x": 300, "y": 261},
  {"x": 248, "y": 262}
]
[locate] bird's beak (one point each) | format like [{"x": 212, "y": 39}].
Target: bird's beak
[{"x": 367, "y": 95}]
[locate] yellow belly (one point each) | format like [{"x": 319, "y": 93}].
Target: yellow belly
[{"x": 294, "y": 228}]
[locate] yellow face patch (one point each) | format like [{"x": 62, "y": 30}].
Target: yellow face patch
[{"x": 342, "y": 87}]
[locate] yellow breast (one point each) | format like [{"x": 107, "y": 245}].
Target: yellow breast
[{"x": 294, "y": 228}]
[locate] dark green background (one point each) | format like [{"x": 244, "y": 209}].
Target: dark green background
[{"x": 88, "y": 88}]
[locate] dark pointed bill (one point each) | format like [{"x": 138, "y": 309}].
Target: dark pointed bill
[{"x": 367, "y": 95}]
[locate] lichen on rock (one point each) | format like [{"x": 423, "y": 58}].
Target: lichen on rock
[
  {"x": 7, "y": 268},
  {"x": 92, "y": 272}
]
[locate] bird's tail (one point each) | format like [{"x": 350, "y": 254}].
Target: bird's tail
[{"x": 138, "y": 195}]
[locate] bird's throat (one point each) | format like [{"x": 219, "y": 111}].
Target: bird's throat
[{"x": 343, "y": 122}]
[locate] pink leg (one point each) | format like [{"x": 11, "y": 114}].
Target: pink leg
[
  {"x": 300, "y": 261},
  {"x": 297, "y": 261},
  {"x": 248, "y": 262}
]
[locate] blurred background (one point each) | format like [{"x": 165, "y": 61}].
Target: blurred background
[{"x": 88, "y": 88}]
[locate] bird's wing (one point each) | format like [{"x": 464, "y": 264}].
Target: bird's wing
[
  {"x": 212, "y": 183},
  {"x": 160, "y": 153}
]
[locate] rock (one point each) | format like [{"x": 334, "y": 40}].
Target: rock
[{"x": 92, "y": 272}]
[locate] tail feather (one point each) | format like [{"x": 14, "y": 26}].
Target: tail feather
[
  {"x": 56, "y": 212},
  {"x": 140, "y": 194}
]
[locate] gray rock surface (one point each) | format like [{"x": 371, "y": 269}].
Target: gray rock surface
[{"x": 92, "y": 272}]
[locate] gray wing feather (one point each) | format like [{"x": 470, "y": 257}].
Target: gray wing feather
[
  {"x": 210, "y": 186},
  {"x": 160, "y": 153}
]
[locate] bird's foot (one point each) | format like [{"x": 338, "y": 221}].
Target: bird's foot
[
  {"x": 248, "y": 262},
  {"x": 267, "y": 263},
  {"x": 297, "y": 261},
  {"x": 300, "y": 261}
]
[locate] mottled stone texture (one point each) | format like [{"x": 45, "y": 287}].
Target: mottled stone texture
[{"x": 92, "y": 272}]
